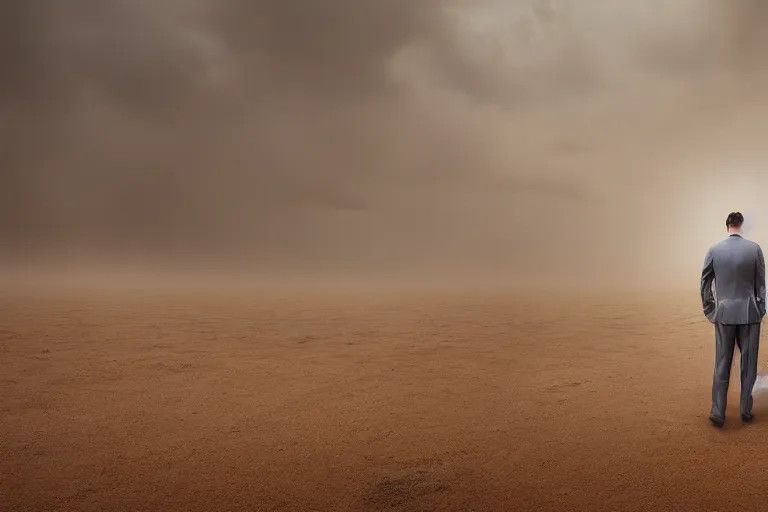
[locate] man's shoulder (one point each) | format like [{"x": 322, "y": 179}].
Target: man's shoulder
[
  {"x": 751, "y": 244},
  {"x": 731, "y": 243},
  {"x": 748, "y": 245}
]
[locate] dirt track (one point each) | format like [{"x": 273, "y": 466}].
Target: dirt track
[{"x": 367, "y": 401}]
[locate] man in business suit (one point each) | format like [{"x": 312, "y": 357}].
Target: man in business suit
[{"x": 737, "y": 269}]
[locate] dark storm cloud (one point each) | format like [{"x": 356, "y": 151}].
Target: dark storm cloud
[
  {"x": 345, "y": 131},
  {"x": 747, "y": 37},
  {"x": 182, "y": 113},
  {"x": 336, "y": 49}
]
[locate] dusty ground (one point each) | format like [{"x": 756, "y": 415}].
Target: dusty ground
[{"x": 367, "y": 401}]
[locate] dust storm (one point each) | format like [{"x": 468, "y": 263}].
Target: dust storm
[
  {"x": 575, "y": 155},
  {"x": 491, "y": 138}
]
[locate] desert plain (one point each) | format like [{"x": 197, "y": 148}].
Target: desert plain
[{"x": 366, "y": 399}]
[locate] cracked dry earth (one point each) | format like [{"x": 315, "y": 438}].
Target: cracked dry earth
[{"x": 366, "y": 401}]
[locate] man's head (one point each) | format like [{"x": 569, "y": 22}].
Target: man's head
[{"x": 734, "y": 222}]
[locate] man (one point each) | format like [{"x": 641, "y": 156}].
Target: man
[{"x": 737, "y": 269}]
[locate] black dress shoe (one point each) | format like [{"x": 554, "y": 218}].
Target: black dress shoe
[
  {"x": 747, "y": 418},
  {"x": 718, "y": 422}
]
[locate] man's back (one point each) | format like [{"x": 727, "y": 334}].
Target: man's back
[{"x": 737, "y": 268}]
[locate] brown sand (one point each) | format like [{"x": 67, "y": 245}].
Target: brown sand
[{"x": 367, "y": 401}]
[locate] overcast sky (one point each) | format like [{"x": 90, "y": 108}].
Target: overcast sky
[{"x": 559, "y": 138}]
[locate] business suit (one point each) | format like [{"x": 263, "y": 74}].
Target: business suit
[{"x": 737, "y": 268}]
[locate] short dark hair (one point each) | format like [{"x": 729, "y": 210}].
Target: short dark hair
[{"x": 735, "y": 219}]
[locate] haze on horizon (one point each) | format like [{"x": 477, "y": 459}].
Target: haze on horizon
[{"x": 606, "y": 141}]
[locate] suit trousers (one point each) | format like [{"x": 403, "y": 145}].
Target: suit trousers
[{"x": 747, "y": 337}]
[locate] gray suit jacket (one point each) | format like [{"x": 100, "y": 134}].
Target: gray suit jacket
[{"x": 737, "y": 269}]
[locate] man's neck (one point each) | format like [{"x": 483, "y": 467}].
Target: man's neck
[{"x": 736, "y": 233}]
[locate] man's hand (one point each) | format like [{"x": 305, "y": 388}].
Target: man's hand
[
  {"x": 707, "y": 279},
  {"x": 760, "y": 281}
]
